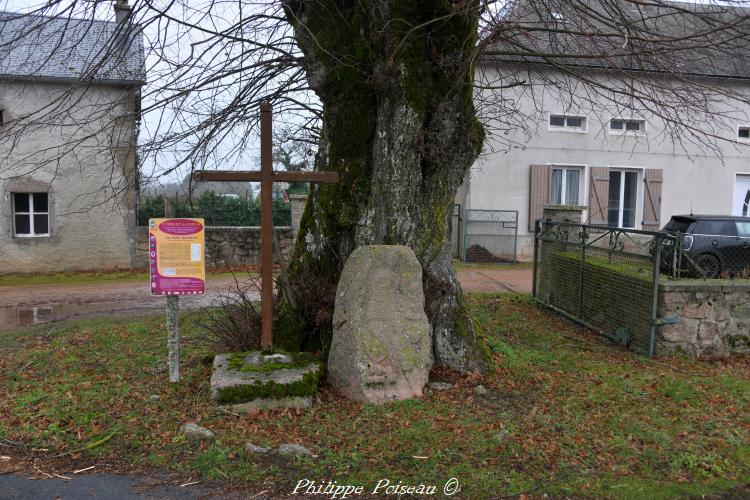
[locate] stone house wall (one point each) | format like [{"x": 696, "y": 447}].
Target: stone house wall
[
  {"x": 88, "y": 172},
  {"x": 693, "y": 177},
  {"x": 712, "y": 318},
  {"x": 226, "y": 246}
]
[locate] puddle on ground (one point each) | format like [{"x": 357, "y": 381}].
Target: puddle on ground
[{"x": 22, "y": 316}]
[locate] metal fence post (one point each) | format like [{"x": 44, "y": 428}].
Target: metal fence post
[
  {"x": 515, "y": 239},
  {"x": 458, "y": 234},
  {"x": 678, "y": 256},
  {"x": 583, "y": 237},
  {"x": 466, "y": 218},
  {"x": 536, "y": 258},
  {"x": 655, "y": 294}
]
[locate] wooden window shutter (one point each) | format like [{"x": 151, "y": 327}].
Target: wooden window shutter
[
  {"x": 598, "y": 195},
  {"x": 652, "y": 181},
  {"x": 538, "y": 194}
]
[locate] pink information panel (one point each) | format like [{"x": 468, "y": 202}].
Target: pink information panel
[{"x": 176, "y": 256}]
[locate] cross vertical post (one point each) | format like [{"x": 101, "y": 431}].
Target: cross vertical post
[
  {"x": 266, "y": 226},
  {"x": 266, "y": 176}
]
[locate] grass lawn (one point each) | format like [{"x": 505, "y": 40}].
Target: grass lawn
[
  {"x": 579, "y": 415},
  {"x": 72, "y": 278}
]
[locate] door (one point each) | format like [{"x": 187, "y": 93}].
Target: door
[
  {"x": 623, "y": 193},
  {"x": 741, "y": 204}
]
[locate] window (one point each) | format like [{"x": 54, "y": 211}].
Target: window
[
  {"x": 743, "y": 229},
  {"x": 619, "y": 126},
  {"x": 566, "y": 186},
  {"x": 568, "y": 123},
  {"x": 743, "y": 133},
  {"x": 679, "y": 225},
  {"x": 2, "y": 117},
  {"x": 716, "y": 227},
  {"x": 30, "y": 214},
  {"x": 623, "y": 193}
]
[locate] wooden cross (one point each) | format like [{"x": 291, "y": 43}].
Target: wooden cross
[{"x": 266, "y": 176}]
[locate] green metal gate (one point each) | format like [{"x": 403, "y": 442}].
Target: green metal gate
[{"x": 604, "y": 278}]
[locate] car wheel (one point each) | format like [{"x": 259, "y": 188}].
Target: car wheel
[{"x": 709, "y": 264}]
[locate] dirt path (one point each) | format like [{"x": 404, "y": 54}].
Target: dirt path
[
  {"x": 33, "y": 304},
  {"x": 496, "y": 279}
]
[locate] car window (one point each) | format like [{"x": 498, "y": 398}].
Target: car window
[
  {"x": 678, "y": 225},
  {"x": 743, "y": 229},
  {"x": 716, "y": 227}
]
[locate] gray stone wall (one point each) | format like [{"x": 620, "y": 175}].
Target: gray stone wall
[
  {"x": 712, "y": 317},
  {"x": 299, "y": 201},
  {"x": 572, "y": 214},
  {"x": 227, "y": 246}
]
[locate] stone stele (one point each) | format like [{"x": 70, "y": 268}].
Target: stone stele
[
  {"x": 381, "y": 348},
  {"x": 252, "y": 380}
]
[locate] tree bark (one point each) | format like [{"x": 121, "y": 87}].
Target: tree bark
[{"x": 399, "y": 125}]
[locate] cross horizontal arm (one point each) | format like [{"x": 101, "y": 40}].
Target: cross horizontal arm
[{"x": 257, "y": 176}]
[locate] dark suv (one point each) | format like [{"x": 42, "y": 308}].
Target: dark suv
[{"x": 716, "y": 243}]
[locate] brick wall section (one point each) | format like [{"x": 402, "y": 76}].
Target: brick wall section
[
  {"x": 713, "y": 317},
  {"x": 225, "y": 246}
]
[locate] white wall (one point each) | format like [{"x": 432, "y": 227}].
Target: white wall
[
  {"x": 695, "y": 177},
  {"x": 84, "y": 155}
]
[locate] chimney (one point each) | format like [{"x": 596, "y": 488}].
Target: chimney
[{"x": 122, "y": 12}]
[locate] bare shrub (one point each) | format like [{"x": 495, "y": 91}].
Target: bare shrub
[{"x": 235, "y": 324}]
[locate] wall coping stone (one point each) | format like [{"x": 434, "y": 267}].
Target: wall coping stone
[
  {"x": 565, "y": 208},
  {"x": 705, "y": 286}
]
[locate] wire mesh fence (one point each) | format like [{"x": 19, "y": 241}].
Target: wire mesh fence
[
  {"x": 455, "y": 230},
  {"x": 605, "y": 278},
  {"x": 490, "y": 236},
  {"x": 707, "y": 256}
]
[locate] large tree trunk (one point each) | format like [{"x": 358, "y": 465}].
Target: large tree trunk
[{"x": 399, "y": 125}]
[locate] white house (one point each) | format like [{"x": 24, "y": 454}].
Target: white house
[
  {"x": 69, "y": 112},
  {"x": 596, "y": 145}
]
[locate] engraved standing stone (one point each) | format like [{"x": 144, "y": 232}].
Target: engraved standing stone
[{"x": 381, "y": 349}]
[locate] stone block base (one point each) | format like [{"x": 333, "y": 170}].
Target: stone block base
[{"x": 246, "y": 381}]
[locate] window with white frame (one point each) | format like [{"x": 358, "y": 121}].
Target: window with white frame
[
  {"x": 566, "y": 185},
  {"x": 30, "y": 214},
  {"x": 567, "y": 122},
  {"x": 623, "y": 196},
  {"x": 621, "y": 126},
  {"x": 743, "y": 133}
]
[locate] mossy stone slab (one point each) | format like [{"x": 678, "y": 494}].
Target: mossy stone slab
[{"x": 254, "y": 380}]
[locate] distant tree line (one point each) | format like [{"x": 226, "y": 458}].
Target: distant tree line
[{"x": 216, "y": 209}]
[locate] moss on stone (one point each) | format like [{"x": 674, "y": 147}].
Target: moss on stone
[
  {"x": 236, "y": 361},
  {"x": 307, "y": 386}
]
